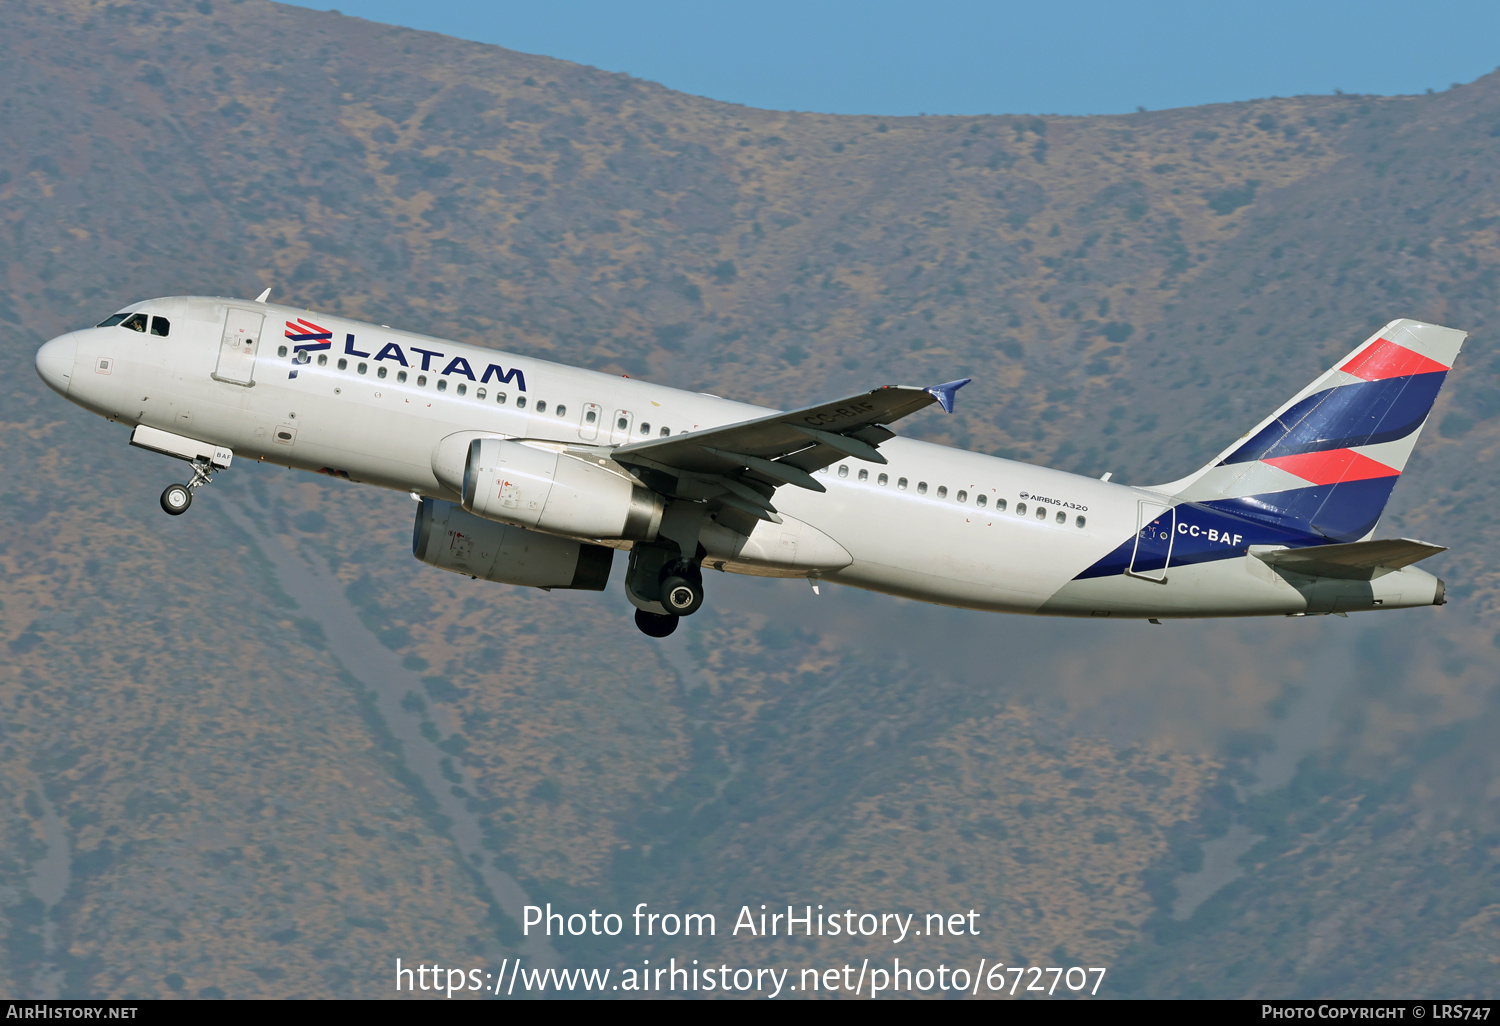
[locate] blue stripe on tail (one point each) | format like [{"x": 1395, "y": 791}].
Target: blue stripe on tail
[{"x": 1364, "y": 413}]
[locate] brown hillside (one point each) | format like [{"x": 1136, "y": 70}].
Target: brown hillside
[{"x": 1130, "y": 293}]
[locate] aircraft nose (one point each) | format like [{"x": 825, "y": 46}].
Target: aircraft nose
[{"x": 54, "y": 362}]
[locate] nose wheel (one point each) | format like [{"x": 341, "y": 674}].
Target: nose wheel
[{"x": 176, "y": 499}]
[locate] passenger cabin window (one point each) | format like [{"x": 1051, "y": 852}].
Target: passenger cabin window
[
  {"x": 161, "y": 326},
  {"x": 401, "y": 377},
  {"x": 562, "y": 411},
  {"x": 343, "y": 364},
  {"x": 380, "y": 372},
  {"x": 112, "y": 320},
  {"x": 323, "y": 362},
  {"x": 590, "y": 417},
  {"x": 901, "y": 483},
  {"x": 479, "y": 394},
  {"x": 921, "y": 487},
  {"x": 520, "y": 402},
  {"x": 981, "y": 499},
  {"x": 135, "y": 322},
  {"x": 664, "y": 432},
  {"x": 1041, "y": 512},
  {"x": 864, "y": 475},
  {"x": 1000, "y": 505},
  {"x": 363, "y": 367},
  {"x": 1020, "y": 509},
  {"x": 645, "y": 428},
  {"x": 500, "y": 398},
  {"x": 462, "y": 388},
  {"x": 622, "y": 424},
  {"x": 421, "y": 379},
  {"x": 1062, "y": 518},
  {"x": 882, "y": 480},
  {"x": 442, "y": 384},
  {"x": 541, "y": 406},
  {"x": 963, "y": 496},
  {"x": 281, "y": 350},
  {"x": 1080, "y": 523},
  {"x": 844, "y": 470},
  {"x": 942, "y": 493}
]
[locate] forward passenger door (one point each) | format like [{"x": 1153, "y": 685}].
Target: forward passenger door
[{"x": 238, "y": 345}]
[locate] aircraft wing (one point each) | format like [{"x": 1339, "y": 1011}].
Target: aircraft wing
[
  {"x": 740, "y": 465},
  {"x": 1351, "y": 560}
]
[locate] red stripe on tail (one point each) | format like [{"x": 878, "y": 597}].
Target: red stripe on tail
[
  {"x": 1332, "y": 466},
  {"x": 1388, "y": 360}
]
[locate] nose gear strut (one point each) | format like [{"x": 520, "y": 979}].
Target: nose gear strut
[{"x": 178, "y": 497}]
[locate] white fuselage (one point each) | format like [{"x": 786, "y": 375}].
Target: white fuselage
[{"x": 914, "y": 527}]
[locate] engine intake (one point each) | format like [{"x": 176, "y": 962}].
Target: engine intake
[
  {"x": 553, "y": 492},
  {"x": 449, "y": 538}
]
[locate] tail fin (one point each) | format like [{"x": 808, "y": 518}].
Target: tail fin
[{"x": 1324, "y": 463}]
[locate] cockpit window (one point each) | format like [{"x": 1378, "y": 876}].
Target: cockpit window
[
  {"x": 112, "y": 320},
  {"x": 161, "y": 326},
  {"x": 135, "y": 322}
]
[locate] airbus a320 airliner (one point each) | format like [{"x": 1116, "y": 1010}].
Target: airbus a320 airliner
[{"x": 532, "y": 473}]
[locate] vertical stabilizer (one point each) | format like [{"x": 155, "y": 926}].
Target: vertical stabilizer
[{"x": 1324, "y": 464}]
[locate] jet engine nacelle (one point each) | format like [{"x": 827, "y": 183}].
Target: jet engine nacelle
[
  {"x": 553, "y": 492},
  {"x": 449, "y": 538}
]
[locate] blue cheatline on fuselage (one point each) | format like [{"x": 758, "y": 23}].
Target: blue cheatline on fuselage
[
  {"x": 1199, "y": 533},
  {"x": 1363, "y": 413}
]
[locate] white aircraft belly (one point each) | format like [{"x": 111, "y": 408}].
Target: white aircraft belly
[{"x": 939, "y": 550}]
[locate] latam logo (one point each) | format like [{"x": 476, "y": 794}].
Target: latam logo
[{"x": 308, "y": 335}]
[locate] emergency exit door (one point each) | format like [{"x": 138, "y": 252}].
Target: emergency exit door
[{"x": 238, "y": 346}]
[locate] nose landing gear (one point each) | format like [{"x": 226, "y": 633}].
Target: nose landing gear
[
  {"x": 205, "y": 458},
  {"x": 178, "y": 497}
]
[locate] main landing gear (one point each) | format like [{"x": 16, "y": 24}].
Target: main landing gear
[
  {"x": 682, "y": 592},
  {"x": 663, "y": 587},
  {"x": 655, "y": 625},
  {"x": 178, "y": 497}
]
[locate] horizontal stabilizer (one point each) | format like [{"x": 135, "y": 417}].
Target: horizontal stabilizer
[{"x": 1352, "y": 560}]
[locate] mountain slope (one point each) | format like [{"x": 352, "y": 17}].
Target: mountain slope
[{"x": 1130, "y": 293}]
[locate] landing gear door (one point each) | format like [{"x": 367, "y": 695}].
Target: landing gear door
[
  {"x": 238, "y": 346},
  {"x": 1156, "y": 527}
]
